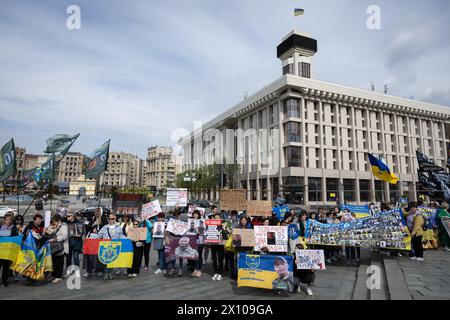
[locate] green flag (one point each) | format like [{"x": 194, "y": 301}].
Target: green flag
[
  {"x": 60, "y": 143},
  {"x": 97, "y": 162},
  {"x": 7, "y": 160}
]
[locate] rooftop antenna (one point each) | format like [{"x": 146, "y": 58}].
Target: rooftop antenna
[
  {"x": 245, "y": 95},
  {"x": 386, "y": 89},
  {"x": 372, "y": 86}
]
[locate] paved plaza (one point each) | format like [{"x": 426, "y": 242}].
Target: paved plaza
[{"x": 403, "y": 279}]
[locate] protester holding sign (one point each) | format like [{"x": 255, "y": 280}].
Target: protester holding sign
[
  {"x": 138, "y": 252},
  {"x": 110, "y": 231},
  {"x": 214, "y": 236},
  {"x": 148, "y": 242},
  {"x": 158, "y": 244},
  {"x": 200, "y": 229}
]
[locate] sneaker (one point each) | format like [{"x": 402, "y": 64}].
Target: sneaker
[
  {"x": 86, "y": 275},
  {"x": 105, "y": 277},
  {"x": 412, "y": 258},
  {"x": 419, "y": 259},
  {"x": 164, "y": 271},
  {"x": 199, "y": 274},
  {"x": 194, "y": 274},
  {"x": 447, "y": 249},
  {"x": 328, "y": 261},
  {"x": 214, "y": 277},
  {"x": 111, "y": 276},
  {"x": 146, "y": 269},
  {"x": 399, "y": 254},
  {"x": 5, "y": 284},
  {"x": 357, "y": 260},
  {"x": 180, "y": 272},
  {"x": 100, "y": 274},
  {"x": 309, "y": 292},
  {"x": 158, "y": 271},
  {"x": 219, "y": 277},
  {"x": 56, "y": 280},
  {"x": 171, "y": 272},
  {"x": 135, "y": 275},
  {"x": 130, "y": 275},
  {"x": 348, "y": 262}
]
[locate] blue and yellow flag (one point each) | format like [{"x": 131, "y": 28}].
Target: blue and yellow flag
[
  {"x": 117, "y": 253},
  {"x": 10, "y": 248},
  {"x": 382, "y": 171},
  {"x": 298, "y": 12},
  {"x": 31, "y": 262}
]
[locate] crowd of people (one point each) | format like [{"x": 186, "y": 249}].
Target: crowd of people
[{"x": 66, "y": 234}]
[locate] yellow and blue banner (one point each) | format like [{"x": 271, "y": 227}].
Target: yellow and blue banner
[
  {"x": 265, "y": 271},
  {"x": 359, "y": 211},
  {"x": 10, "y": 248},
  {"x": 31, "y": 262},
  {"x": 117, "y": 253},
  {"x": 381, "y": 170}
]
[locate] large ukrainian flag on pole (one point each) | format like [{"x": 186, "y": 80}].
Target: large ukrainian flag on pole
[{"x": 382, "y": 171}]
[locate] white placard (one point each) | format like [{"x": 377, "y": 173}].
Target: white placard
[
  {"x": 176, "y": 197},
  {"x": 310, "y": 259},
  {"x": 47, "y": 218},
  {"x": 150, "y": 209},
  {"x": 177, "y": 227},
  {"x": 273, "y": 237}
]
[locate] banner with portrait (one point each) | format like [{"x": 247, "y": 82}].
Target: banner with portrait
[
  {"x": 150, "y": 209},
  {"x": 385, "y": 230},
  {"x": 180, "y": 247},
  {"x": 273, "y": 238},
  {"x": 359, "y": 211},
  {"x": 266, "y": 272},
  {"x": 176, "y": 197},
  {"x": 192, "y": 208},
  {"x": 243, "y": 238}
]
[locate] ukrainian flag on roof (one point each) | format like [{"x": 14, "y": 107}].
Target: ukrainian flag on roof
[
  {"x": 298, "y": 12},
  {"x": 382, "y": 171}
]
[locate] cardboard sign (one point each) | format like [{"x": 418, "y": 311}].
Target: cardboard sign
[
  {"x": 158, "y": 229},
  {"x": 310, "y": 259},
  {"x": 177, "y": 227},
  {"x": 446, "y": 224},
  {"x": 233, "y": 199},
  {"x": 273, "y": 237},
  {"x": 213, "y": 233},
  {"x": 176, "y": 197},
  {"x": 243, "y": 237},
  {"x": 150, "y": 209},
  {"x": 137, "y": 234},
  {"x": 259, "y": 208}
]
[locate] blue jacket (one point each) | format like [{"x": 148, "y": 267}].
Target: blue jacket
[{"x": 149, "y": 226}]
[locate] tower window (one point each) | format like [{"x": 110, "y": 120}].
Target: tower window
[
  {"x": 288, "y": 69},
  {"x": 305, "y": 69}
]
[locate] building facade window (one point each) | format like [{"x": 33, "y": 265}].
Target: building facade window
[
  {"x": 291, "y": 108},
  {"x": 293, "y": 157},
  {"x": 315, "y": 189},
  {"x": 349, "y": 190},
  {"x": 364, "y": 190},
  {"x": 332, "y": 189},
  {"x": 292, "y": 132}
]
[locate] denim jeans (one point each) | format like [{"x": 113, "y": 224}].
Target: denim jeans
[
  {"x": 199, "y": 262},
  {"x": 162, "y": 259}
]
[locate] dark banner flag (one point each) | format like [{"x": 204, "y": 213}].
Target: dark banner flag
[
  {"x": 426, "y": 164},
  {"x": 45, "y": 171},
  {"x": 97, "y": 163},
  {"x": 7, "y": 160},
  {"x": 28, "y": 176},
  {"x": 448, "y": 156},
  {"x": 60, "y": 143}
]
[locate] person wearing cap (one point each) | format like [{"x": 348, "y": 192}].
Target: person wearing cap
[{"x": 285, "y": 280}]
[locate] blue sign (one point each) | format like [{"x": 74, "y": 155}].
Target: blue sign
[{"x": 281, "y": 211}]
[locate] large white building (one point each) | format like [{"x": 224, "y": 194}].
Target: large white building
[{"x": 310, "y": 139}]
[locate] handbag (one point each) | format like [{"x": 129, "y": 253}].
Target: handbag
[{"x": 56, "y": 247}]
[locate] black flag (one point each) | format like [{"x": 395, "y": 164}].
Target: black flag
[{"x": 426, "y": 164}]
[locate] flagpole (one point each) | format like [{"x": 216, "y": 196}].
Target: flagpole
[{"x": 18, "y": 202}]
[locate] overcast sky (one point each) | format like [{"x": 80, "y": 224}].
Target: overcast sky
[{"x": 138, "y": 70}]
